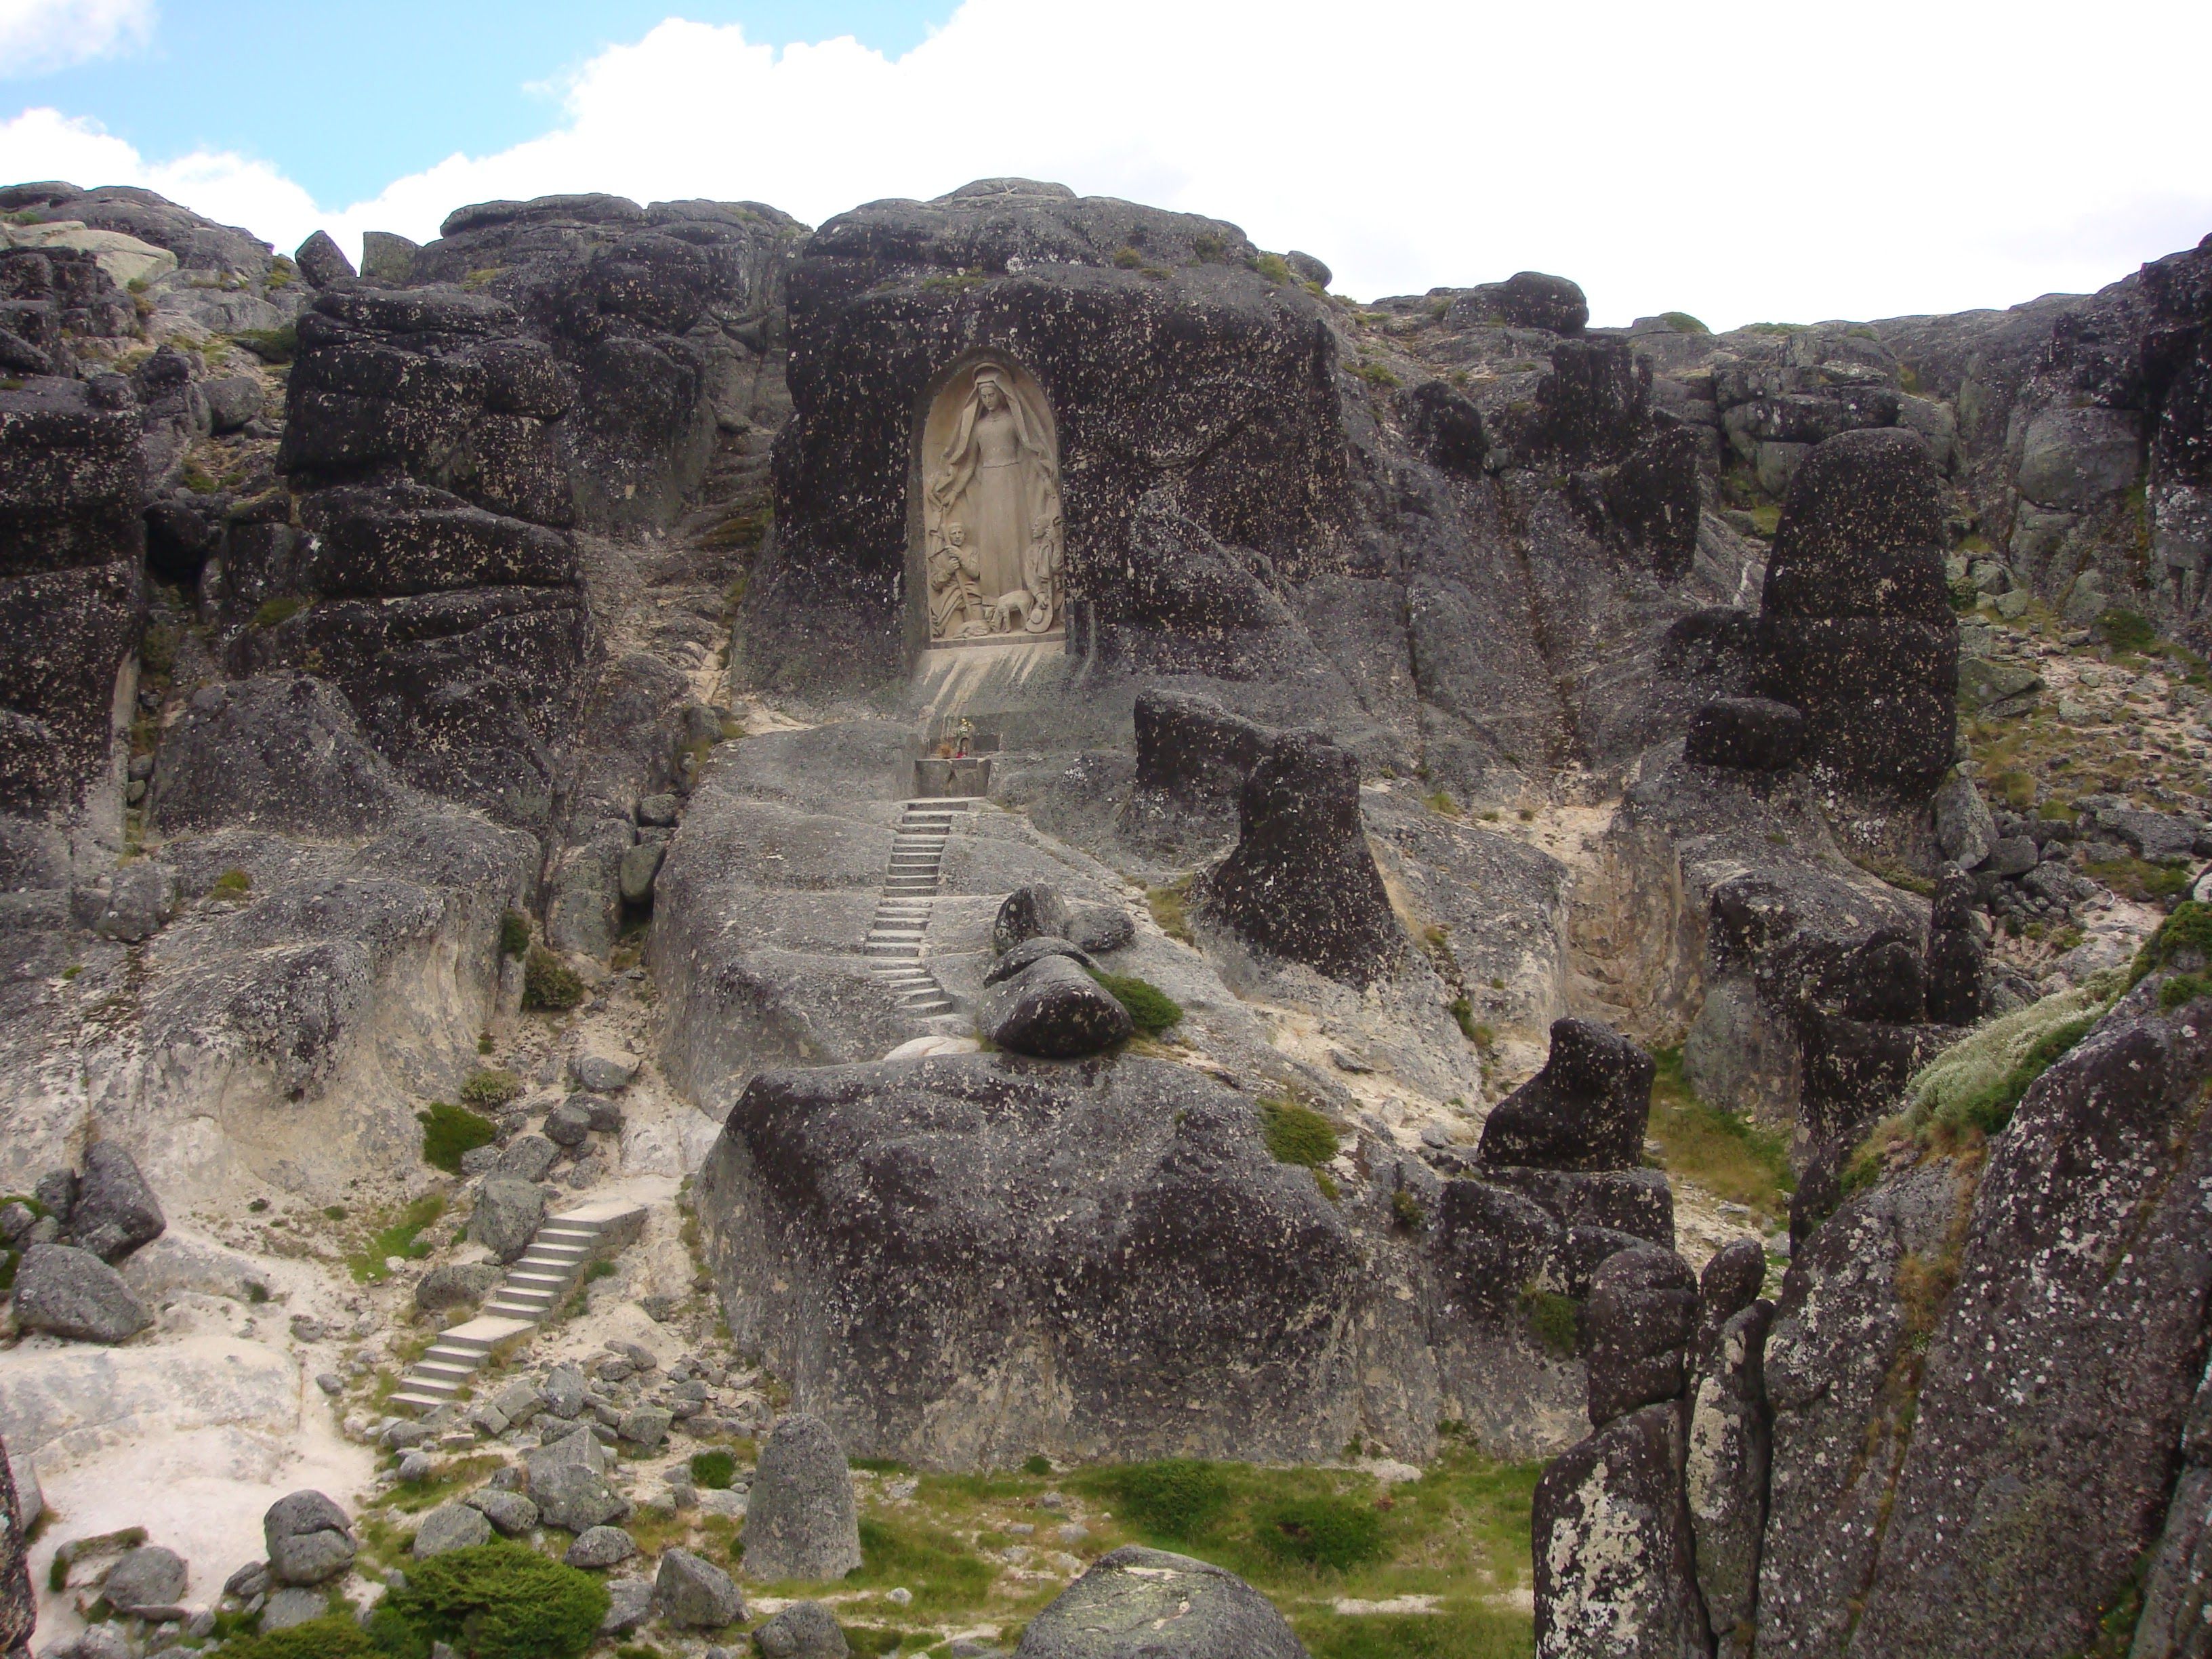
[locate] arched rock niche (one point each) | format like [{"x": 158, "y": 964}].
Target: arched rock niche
[{"x": 992, "y": 565}]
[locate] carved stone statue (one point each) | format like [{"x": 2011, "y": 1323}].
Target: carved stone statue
[{"x": 991, "y": 515}]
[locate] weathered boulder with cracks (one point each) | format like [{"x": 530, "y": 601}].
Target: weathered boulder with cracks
[
  {"x": 962, "y": 1261},
  {"x": 1135, "y": 1601}
]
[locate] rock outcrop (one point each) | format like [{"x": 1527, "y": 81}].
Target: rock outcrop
[
  {"x": 800, "y": 1518},
  {"x": 1301, "y": 884},
  {"x": 1855, "y": 627},
  {"x": 1135, "y": 1601},
  {"x": 977, "y": 1317},
  {"x": 18, "y": 1608}
]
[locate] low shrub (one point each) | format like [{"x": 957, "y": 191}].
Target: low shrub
[
  {"x": 1274, "y": 267},
  {"x": 548, "y": 982},
  {"x": 714, "y": 1470},
  {"x": 1150, "y": 1010},
  {"x": 489, "y": 1089},
  {"x": 336, "y": 1636},
  {"x": 514, "y": 933},
  {"x": 1296, "y": 1133},
  {"x": 1330, "y": 1533},
  {"x": 1462, "y": 1010},
  {"x": 232, "y": 884},
  {"x": 2123, "y": 630},
  {"x": 496, "y": 1600},
  {"x": 448, "y": 1131},
  {"x": 275, "y": 612},
  {"x": 1555, "y": 1321}
]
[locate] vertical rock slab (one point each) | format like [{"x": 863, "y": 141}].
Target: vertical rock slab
[
  {"x": 2176, "y": 1594},
  {"x": 1611, "y": 1542},
  {"x": 1724, "y": 1478},
  {"x": 801, "y": 1521},
  {"x": 2061, "y": 1375},
  {"x": 1302, "y": 885},
  {"x": 1839, "y": 1367},
  {"x": 72, "y": 550},
  {"x": 1854, "y": 626},
  {"x": 1587, "y": 1109},
  {"x": 19, "y": 1607}
]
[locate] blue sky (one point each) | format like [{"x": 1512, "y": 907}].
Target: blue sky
[
  {"x": 343, "y": 98},
  {"x": 1822, "y": 159}
]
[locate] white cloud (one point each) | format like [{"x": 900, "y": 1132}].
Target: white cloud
[
  {"x": 37, "y": 36},
  {"x": 232, "y": 190},
  {"x": 1786, "y": 163}
]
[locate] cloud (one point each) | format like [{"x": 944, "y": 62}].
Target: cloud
[
  {"x": 231, "y": 189},
  {"x": 37, "y": 36},
  {"x": 1794, "y": 163}
]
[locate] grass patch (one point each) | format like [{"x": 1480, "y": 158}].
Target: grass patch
[
  {"x": 1326, "y": 1532},
  {"x": 1462, "y": 1013},
  {"x": 1728, "y": 1155},
  {"x": 1274, "y": 267},
  {"x": 1169, "y": 906},
  {"x": 489, "y": 1089},
  {"x": 232, "y": 884},
  {"x": 1178, "y": 1499},
  {"x": 448, "y": 1131},
  {"x": 271, "y": 345},
  {"x": 936, "y": 1564},
  {"x": 2139, "y": 879},
  {"x": 1375, "y": 374},
  {"x": 275, "y": 612},
  {"x": 1296, "y": 1133},
  {"x": 548, "y": 982},
  {"x": 514, "y": 933},
  {"x": 403, "y": 1238},
  {"x": 1971, "y": 1090},
  {"x": 1151, "y": 1009}
]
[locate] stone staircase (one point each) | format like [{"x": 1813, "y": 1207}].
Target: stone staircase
[
  {"x": 558, "y": 1253},
  {"x": 893, "y": 946}
]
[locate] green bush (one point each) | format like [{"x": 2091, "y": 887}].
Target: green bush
[
  {"x": 1151, "y": 1009},
  {"x": 490, "y": 1089},
  {"x": 334, "y": 1637},
  {"x": 1406, "y": 1210},
  {"x": 449, "y": 1131},
  {"x": 714, "y": 1470},
  {"x": 549, "y": 982},
  {"x": 1274, "y": 267},
  {"x": 1462, "y": 1010},
  {"x": 232, "y": 884},
  {"x": 1683, "y": 323},
  {"x": 1177, "y": 1498},
  {"x": 1296, "y": 1133},
  {"x": 514, "y": 933},
  {"x": 1037, "y": 1464},
  {"x": 492, "y": 1601},
  {"x": 1326, "y": 1532}
]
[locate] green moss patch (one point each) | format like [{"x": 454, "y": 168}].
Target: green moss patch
[
  {"x": 448, "y": 1131},
  {"x": 1150, "y": 1010}
]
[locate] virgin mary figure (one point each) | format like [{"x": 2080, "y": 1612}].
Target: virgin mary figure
[{"x": 999, "y": 479}]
